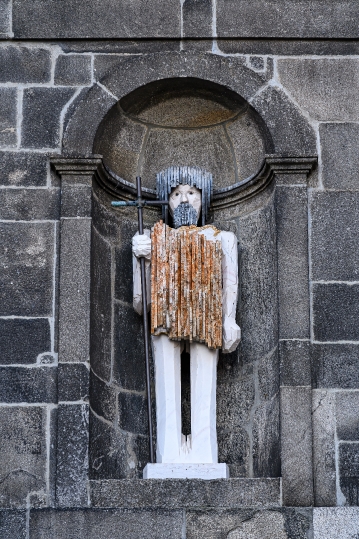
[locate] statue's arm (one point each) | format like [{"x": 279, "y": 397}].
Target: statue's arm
[
  {"x": 141, "y": 246},
  {"x": 231, "y": 331}
]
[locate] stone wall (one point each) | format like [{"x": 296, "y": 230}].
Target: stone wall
[{"x": 74, "y": 438}]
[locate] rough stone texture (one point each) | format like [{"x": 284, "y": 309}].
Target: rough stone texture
[
  {"x": 23, "y": 339},
  {"x": 23, "y": 169},
  {"x": 72, "y": 455},
  {"x": 186, "y": 493},
  {"x": 22, "y": 454},
  {"x": 12, "y": 524},
  {"x": 74, "y": 316},
  {"x": 339, "y": 142},
  {"x": 41, "y": 116},
  {"x": 132, "y": 411},
  {"x": 334, "y": 249},
  {"x": 335, "y": 365},
  {"x": 73, "y": 70},
  {"x": 274, "y": 19},
  {"x": 25, "y": 64},
  {"x": 296, "y": 442},
  {"x": 5, "y": 14},
  {"x": 294, "y": 363},
  {"x": 102, "y": 398},
  {"x": 107, "y": 524},
  {"x": 248, "y": 524},
  {"x": 105, "y": 19},
  {"x": 349, "y": 472},
  {"x": 26, "y": 279},
  {"x": 336, "y": 311},
  {"x": 129, "y": 366},
  {"x": 8, "y": 116},
  {"x": 317, "y": 86},
  {"x": 28, "y": 204},
  {"x": 266, "y": 439},
  {"x": 123, "y": 257},
  {"x": 289, "y": 129},
  {"x": 347, "y": 414},
  {"x": 21, "y": 384},
  {"x": 73, "y": 382},
  {"x": 324, "y": 470},
  {"x": 197, "y": 18},
  {"x": 76, "y": 198},
  {"x": 335, "y": 522},
  {"x": 101, "y": 311},
  {"x": 292, "y": 243}
]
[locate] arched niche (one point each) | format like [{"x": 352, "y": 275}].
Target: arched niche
[{"x": 267, "y": 210}]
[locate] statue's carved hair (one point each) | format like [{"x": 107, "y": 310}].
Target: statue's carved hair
[{"x": 194, "y": 176}]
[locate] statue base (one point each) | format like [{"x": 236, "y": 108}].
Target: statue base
[{"x": 175, "y": 470}]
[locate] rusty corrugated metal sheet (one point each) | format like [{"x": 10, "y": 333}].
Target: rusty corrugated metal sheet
[{"x": 186, "y": 285}]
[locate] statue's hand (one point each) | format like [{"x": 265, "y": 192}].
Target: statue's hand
[
  {"x": 231, "y": 335},
  {"x": 141, "y": 246}
]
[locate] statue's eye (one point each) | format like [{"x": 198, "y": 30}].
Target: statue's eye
[
  {"x": 177, "y": 194},
  {"x": 191, "y": 192}
]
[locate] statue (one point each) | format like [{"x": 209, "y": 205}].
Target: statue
[{"x": 193, "y": 271}]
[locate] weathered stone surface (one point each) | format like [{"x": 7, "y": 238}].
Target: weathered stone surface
[
  {"x": 107, "y": 524},
  {"x": 121, "y": 46},
  {"x": 73, "y": 382},
  {"x": 316, "y": 85},
  {"x": 197, "y": 18},
  {"x": 296, "y": 442},
  {"x": 23, "y": 169},
  {"x": 248, "y": 524},
  {"x": 294, "y": 363},
  {"x": 23, "y": 339},
  {"x": 22, "y": 384},
  {"x": 26, "y": 276},
  {"x": 123, "y": 256},
  {"x": 266, "y": 436},
  {"x": 102, "y": 398},
  {"x": 292, "y": 243},
  {"x": 5, "y": 14},
  {"x": 22, "y": 454},
  {"x": 274, "y": 19},
  {"x": 336, "y": 311},
  {"x": 335, "y": 522},
  {"x": 28, "y": 204},
  {"x": 349, "y": 472},
  {"x": 41, "y": 116},
  {"x": 107, "y": 19},
  {"x": 72, "y": 455},
  {"x": 291, "y": 133},
  {"x": 334, "y": 249},
  {"x": 129, "y": 363},
  {"x": 285, "y": 47},
  {"x": 186, "y": 493},
  {"x": 78, "y": 137},
  {"x": 132, "y": 411},
  {"x": 101, "y": 311},
  {"x": 258, "y": 299},
  {"x": 74, "y": 315},
  {"x": 25, "y": 64},
  {"x": 340, "y": 159},
  {"x": 8, "y": 116},
  {"x": 347, "y": 414},
  {"x": 324, "y": 471},
  {"x": 73, "y": 70},
  {"x": 76, "y": 199},
  {"x": 115, "y": 454},
  {"x": 12, "y": 524},
  {"x": 335, "y": 365}
]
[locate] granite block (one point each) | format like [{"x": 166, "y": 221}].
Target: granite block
[
  {"x": 347, "y": 414},
  {"x": 335, "y": 365},
  {"x": 334, "y": 246},
  {"x": 73, "y": 382},
  {"x": 20, "y": 169},
  {"x": 8, "y": 116},
  {"x": 335, "y": 522},
  {"x": 335, "y": 312},
  {"x": 349, "y": 472},
  {"x": 103, "y": 398},
  {"x": 26, "y": 276},
  {"x": 295, "y": 366},
  {"x": 73, "y": 70},
  {"x": 22, "y": 384},
  {"x": 41, "y": 116},
  {"x": 29, "y": 204},
  {"x": 23, "y": 454},
  {"x": 132, "y": 411},
  {"x": 197, "y": 18},
  {"x": 12, "y": 524},
  {"x": 23, "y": 339},
  {"x": 340, "y": 159},
  {"x": 25, "y": 64}
]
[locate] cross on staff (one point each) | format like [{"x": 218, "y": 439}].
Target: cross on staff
[{"x": 140, "y": 203}]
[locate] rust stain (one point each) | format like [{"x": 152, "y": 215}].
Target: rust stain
[{"x": 186, "y": 285}]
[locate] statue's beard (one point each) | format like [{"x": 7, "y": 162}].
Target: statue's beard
[{"x": 184, "y": 215}]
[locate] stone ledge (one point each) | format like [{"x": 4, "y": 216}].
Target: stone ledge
[{"x": 185, "y": 493}]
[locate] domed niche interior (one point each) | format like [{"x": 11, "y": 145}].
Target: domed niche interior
[{"x": 183, "y": 121}]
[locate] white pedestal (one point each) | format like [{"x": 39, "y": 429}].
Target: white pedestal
[{"x": 186, "y": 471}]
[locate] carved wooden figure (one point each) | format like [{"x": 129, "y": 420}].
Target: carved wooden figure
[{"x": 193, "y": 273}]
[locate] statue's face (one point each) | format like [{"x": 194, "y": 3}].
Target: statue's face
[{"x": 187, "y": 195}]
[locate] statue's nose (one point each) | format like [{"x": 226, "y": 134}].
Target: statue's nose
[{"x": 184, "y": 198}]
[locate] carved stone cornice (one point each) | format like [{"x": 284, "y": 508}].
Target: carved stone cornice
[{"x": 80, "y": 166}]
